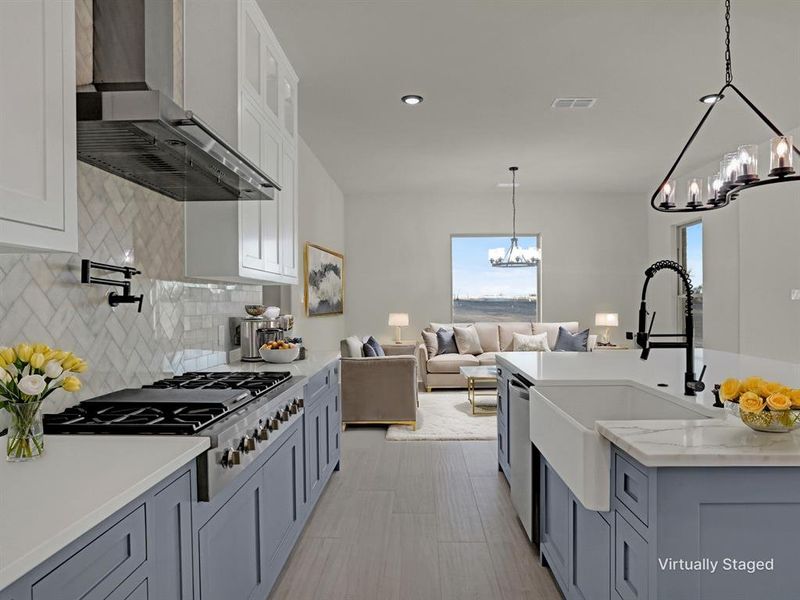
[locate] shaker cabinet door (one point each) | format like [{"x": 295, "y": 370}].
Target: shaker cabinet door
[
  {"x": 229, "y": 546},
  {"x": 172, "y": 535},
  {"x": 38, "y": 190}
]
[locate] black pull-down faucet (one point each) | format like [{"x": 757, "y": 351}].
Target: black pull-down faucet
[{"x": 645, "y": 333}]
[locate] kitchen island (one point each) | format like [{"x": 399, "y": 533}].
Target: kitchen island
[{"x": 644, "y": 493}]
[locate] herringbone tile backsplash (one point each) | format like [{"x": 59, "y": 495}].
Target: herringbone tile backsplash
[{"x": 42, "y": 299}]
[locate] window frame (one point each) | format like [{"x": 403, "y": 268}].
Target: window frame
[
  {"x": 538, "y": 236},
  {"x": 682, "y": 259}
]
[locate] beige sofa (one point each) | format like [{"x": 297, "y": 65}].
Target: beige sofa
[{"x": 442, "y": 371}]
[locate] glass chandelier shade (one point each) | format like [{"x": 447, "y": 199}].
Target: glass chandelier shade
[{"x": 514, "y": 255}]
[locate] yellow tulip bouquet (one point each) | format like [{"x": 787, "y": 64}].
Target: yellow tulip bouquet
[
  {"x": 28, "y": 375},
  {"x": 763, "y": 405}
]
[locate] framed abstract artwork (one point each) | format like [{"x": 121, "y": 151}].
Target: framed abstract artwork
[{"x": 324, "y": 281}]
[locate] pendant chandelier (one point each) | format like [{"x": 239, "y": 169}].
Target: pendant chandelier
[
  {"x": 514, "y": 256},
  {"x": 738, "y": 170}
]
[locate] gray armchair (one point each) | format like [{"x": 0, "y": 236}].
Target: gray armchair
[{"x": 378, "y": 390}]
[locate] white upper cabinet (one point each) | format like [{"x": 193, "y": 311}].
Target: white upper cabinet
[
  {"x": 240, "y": 81},
  {"x": 38, "y": 160}
]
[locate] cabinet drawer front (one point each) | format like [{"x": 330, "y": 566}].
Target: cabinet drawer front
[
  {"x": 316, "y": 387},
  {"x": 630, "y": 562},
  {"x": 99, "y": 568},
  {"x": 631, "y": 487}
]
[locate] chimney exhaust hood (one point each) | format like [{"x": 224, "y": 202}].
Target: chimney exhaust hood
[{"x": 126, "y": 126}]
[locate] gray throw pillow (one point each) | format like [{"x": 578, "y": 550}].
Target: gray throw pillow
[
  {"x": 567, "y": 342},
  {"x": 373, "y": 348},
  {"x": 446, "y": 340}
]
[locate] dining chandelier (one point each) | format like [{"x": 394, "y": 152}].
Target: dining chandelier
[
  {"x": 738, "y": 170},
  {"x": 514, "y": 255}
]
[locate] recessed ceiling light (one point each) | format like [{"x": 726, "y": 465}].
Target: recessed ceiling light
[
  {"x": 412, "y": 99},
  {"x": 711, "y": 98}
]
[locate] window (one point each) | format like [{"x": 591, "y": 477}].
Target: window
[
  {"x": 481, "y": 292},
  {"x": 690, "y": 255}
]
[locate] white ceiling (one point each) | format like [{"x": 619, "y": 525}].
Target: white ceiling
[{"x": 490, "y": 69}]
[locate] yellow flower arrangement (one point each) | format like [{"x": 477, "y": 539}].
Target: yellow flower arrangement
[
  {"x": 29, "y": 373},
  {"x": 763, "y": 405}
]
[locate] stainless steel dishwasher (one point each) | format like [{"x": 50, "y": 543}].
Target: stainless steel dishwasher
[{"x": 524, "y": 489}]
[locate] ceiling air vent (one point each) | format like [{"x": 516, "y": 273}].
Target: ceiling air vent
[{"x": 573, "y": 102}]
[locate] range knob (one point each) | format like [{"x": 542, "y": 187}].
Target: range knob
[
  {"x": 300, "y": 402},
  {"x": 227, "y": 458},
  {"x": 274, "y": 423},
  {"x": 261, "y": 433},
  {"x": 283, "y": 415},
  {"x": 293, "y": 409},
  {"x": 236, "y": 457},
  {"x": 248, "y": 444}
]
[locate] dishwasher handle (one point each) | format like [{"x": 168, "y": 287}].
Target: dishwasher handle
[{"x": 521, "y": 386}]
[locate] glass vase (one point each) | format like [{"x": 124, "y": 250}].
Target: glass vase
[{"x": 25, "y": 439}]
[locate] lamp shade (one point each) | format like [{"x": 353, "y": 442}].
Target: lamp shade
[
  {"x": 606, "y": 320},
  {"x": 398, "y": 319}
]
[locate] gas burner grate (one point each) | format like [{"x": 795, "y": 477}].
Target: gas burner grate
[
  {"x": 133, "y": 418},
  {"x": 257, "y": 383}
]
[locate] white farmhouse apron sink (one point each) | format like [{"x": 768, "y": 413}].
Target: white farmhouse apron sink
[{"x": 563, "y": 419}]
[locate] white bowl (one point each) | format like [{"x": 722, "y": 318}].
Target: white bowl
[
  {"x": 280, "y": 356},
  {"x": 272, "y": 312}
]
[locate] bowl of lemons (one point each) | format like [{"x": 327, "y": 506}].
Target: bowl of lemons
[{"x": 279, "y": 351}]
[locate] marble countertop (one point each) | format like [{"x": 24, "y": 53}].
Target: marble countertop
[
  {"x": 78, "y": 483},
  {"x": 723, "y": 441},
  {"x": 313, "y": 363}
]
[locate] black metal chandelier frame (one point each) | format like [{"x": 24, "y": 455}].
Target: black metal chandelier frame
[{"x": 728, "y": 192}]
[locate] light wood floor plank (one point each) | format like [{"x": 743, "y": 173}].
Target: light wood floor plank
[
  {"x": 480, "y": 457},
  {"x": 411, "y": 568},
  {"x": 414, "y": 489},
  {"x": 519, "y": 574},
  {"x": 467, "y": 572}
]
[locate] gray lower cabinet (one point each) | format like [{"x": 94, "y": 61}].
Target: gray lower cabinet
[
  {"x": 229, "y": 546},
  {"x": 503, "y": 456},
  {"x": 142, "y": 552},
  {"x": 172, "y": 541},
  {"x": 590, "y": 553},
  {"x": 323, "y": 425},
  {"x": 243, "y": 545},
  {"x": 554, "y": 522},
  {"x": 167, "y": 546},
  {"x": 575, "y": 542}
]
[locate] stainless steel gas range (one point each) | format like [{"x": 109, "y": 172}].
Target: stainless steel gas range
[{"x": 242, "y": 414}]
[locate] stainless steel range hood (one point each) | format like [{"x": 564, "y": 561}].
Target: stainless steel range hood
[{"x": 139, "y": 133}]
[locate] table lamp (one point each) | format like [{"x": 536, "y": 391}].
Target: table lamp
[
  {"x": 398, "y": 320},
  {"x": 606, "y": 320}
]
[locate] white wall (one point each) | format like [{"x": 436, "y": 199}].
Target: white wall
[
  {"x": 320, "y": 221},
  {"x": 751, "y": 262},
  {"x": 398, "y": 255}
]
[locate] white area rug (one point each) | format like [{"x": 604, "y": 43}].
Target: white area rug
[{"x": 445, "y": 416}]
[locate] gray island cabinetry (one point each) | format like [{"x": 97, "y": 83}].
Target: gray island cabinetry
[
  {"x": 166, "y": 544},
  {"x": 694, "y": 509}
]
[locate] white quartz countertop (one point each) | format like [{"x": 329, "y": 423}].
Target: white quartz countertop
[
  {"x": 78, "y": 483},
  {"x": 724, "y": 441},
  {"x": 313, "y": 363}
]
